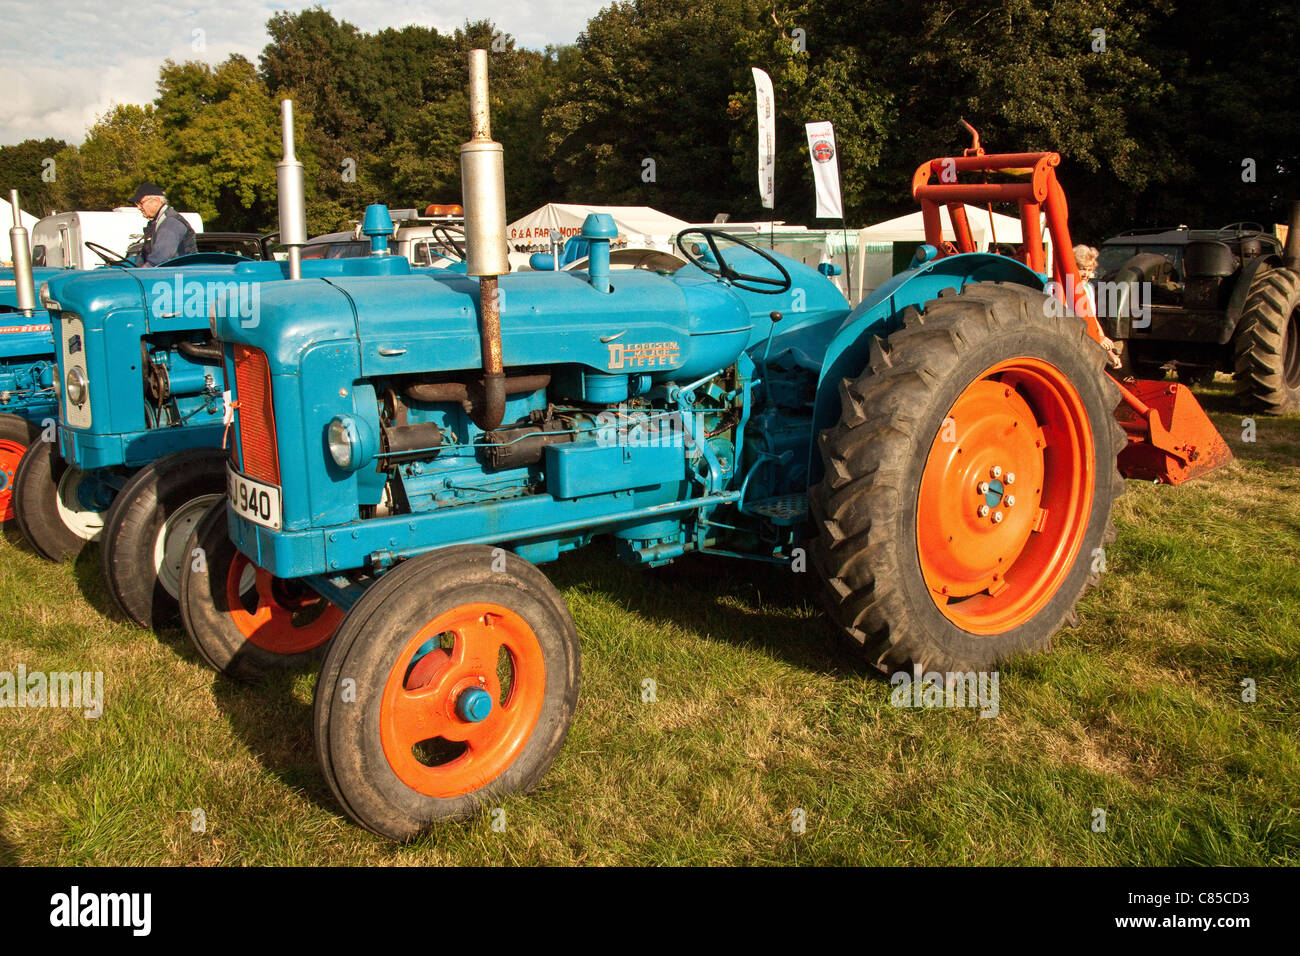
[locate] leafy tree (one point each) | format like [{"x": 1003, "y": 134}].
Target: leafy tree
[
  {"x": 27, "y": 167},
  {"x": 222, "y": 133},
  {"x": 122, "y": 149}
]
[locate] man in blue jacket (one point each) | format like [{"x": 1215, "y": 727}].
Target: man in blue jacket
[{"x": 166, "y": 233}]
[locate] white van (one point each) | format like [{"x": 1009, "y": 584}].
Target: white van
[{"x": 59, "y": 241}]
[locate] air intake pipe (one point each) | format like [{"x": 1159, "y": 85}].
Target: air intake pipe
[
  {"x": 483, "y": 185},
  {"x": 24, "y": 283},
  {"x": 292, "y": 195},
  {"x": 1291, "y": 253}
]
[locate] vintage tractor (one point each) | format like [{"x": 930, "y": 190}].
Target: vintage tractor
[
  {"x": 406, "y": 449},
  {"x": 27, "y": 366},
  {"x": 142, "y": 408},
  {"x": 1225, "y": 300}
]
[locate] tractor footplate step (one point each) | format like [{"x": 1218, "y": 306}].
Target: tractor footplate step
[{"x": 781, "y": 510}]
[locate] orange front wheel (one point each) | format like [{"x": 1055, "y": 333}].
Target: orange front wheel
[
  {"x": 243, "y": 621},
  {"x": 453, "y": 680}
]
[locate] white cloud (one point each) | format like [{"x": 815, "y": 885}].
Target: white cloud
[{"x": 65, "y": 62}]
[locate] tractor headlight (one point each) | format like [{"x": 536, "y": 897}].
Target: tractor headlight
[
  {"x": 343, "y": 441},
  {"x": 75, "y": 386}
]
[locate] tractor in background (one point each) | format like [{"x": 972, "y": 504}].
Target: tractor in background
[
  {"x": 142, "y": 406},
  {"x": 406, "y": 449},
  {"x": 1225, "y": 300}
]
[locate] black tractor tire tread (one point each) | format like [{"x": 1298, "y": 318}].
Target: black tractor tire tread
[
  {"x": 133, "y": 521},
  {"x": 36, "y": 482},
  {"x": 866, "y": 453},
  {"x": 1259, "y": 344}
]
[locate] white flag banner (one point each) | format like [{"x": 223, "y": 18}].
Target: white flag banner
[
  {"x": 766, "y": 138},
  {"x": 826, "y": 170}
]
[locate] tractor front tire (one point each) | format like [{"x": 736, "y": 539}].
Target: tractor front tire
[
  {"x": 142, "y": 547},
  {"x": 968, "y": 485},
  {"x": 1267, "y": 344},
  {"x": 16, "y": 436},
  {"x": 244, "y": 622},
  {"x": 48, "y": 504},
  {"x": 455, "y": 628}
]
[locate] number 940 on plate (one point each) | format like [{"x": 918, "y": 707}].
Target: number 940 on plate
[{"x": 254, "y": 500}]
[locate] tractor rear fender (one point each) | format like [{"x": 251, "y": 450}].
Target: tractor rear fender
[
  {"x": 882, "y": 312},
  {"x": 1237, "y": 303}
]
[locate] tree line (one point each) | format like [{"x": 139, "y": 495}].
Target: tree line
[{"x": 1164, "y": 111}]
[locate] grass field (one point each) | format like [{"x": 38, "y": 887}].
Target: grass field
[{"x": 1138, "y": 712}]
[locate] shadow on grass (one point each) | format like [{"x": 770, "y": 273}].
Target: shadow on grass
[
  {"x": 744, "y": 603},
  {"x": 10, "y": 531},
  {"x": 89, "y": 575},
  {"x": 277, "y": 727},
  {"x": 8, "y": 852}
]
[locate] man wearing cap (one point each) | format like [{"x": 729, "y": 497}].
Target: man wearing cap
[{"x": 166, "y": 233}]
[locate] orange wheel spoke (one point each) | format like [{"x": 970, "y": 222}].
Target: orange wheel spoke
[{"x": 468, "y": 672}]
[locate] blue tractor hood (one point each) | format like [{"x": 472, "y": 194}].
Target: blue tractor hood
[{"x": 670, "y": 328}]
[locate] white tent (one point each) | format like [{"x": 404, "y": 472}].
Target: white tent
[
  {"x": 985, "y": 229},
  {"x": 637, "y": 226}
]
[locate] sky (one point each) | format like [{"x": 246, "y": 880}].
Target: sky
[{"x": 65, "y": 62}]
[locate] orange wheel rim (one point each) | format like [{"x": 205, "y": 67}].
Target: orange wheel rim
[
  {"x": 1006, "y": 496},
  {"x": 279, "y": 622},
  {"x": 11, "y": 452},
  {"x": 474, "y": 649}
]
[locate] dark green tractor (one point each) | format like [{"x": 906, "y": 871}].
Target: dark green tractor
[{"x": 1207, "y": 301}]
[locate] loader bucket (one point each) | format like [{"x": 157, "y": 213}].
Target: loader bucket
[{"x": 1170, "y": 438}]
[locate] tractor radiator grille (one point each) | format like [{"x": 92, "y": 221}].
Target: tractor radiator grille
[{"x": 256, "y": 420}]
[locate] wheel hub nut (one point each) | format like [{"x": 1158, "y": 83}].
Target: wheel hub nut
[
  {"x": 984, "y": 511},
  {"x": 997, "y": 517},
  {"x": 473, "y": 705},
  {"x": 1011, "y": 478},
  {"x": 996, "y": 471},
  {"x": 1009, "y": 501}
]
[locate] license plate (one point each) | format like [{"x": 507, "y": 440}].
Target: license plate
[{"x": 254, "y": 500}]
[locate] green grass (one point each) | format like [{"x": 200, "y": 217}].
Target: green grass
[{"x": 760, "y": 711}]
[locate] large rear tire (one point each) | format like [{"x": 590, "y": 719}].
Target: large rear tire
[
  {"x": 244, "y": 622},
  {"x": 16, "y": 436},
  {"x": 1267, "y": 344},
  {"x": 984, "y": 397},
  {"x": 143, "y": 546},
  {"x": 59, "y": 508},
  {"x": 394, "y": 736}
]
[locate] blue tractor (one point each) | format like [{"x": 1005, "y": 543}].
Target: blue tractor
[
  {"x": 142, "y": 405},
  {"x": 406, "y": 449}
]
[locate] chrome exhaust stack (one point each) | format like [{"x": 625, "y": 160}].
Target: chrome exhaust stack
[
  {"x": 483, "y": 192},
  {"x": 292, "y": 195},
  {"x": 24, "y": 283}
]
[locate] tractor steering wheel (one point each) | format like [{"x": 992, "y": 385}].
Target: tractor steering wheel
[
  {"x": 722, "y": 270},
  {"x": 110, "y": 257},
  {"x": 447, "y": 239}
]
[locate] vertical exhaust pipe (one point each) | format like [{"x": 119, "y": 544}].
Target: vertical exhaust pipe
[
  {"x": 292, "y": 195},
  {"x": 1291, "y": 252},
  {"x": 24, "y": 283},
  {"x": 483, "y": 190}
]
